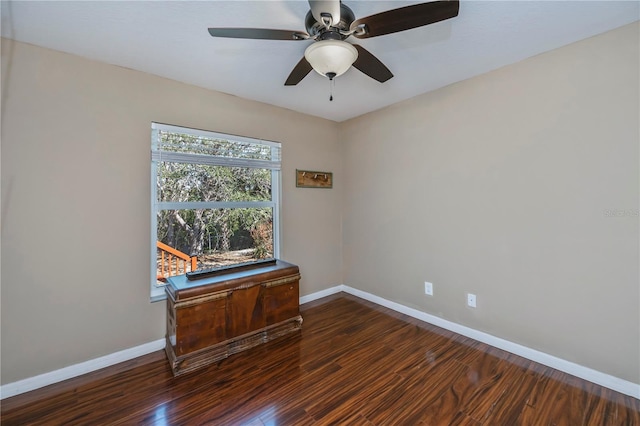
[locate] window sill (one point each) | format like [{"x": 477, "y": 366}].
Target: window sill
[{"x": 157, "y": 295}]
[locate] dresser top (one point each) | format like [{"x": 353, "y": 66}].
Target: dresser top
[{"x": 179, "y": 287}]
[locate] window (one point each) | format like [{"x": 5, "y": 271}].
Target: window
[{"x": 214, "y": 201}]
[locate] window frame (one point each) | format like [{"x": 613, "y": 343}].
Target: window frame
[{"x": 157, "y": 292}]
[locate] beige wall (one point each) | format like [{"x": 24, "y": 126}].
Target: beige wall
[
  {"x": 75, "y": 201},
  {"x": 499, "y": 186}
]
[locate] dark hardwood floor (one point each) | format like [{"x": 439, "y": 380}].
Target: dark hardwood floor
[{"x": 353, "y": 363}]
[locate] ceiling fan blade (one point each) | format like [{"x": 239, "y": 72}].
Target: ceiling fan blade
[
  {"x": 258, "y": 33},
  {"x": 320, "y": 7},
  {"x": 299, "y": 72},
  {"x": 371, "y": 66},
  {"x": 405, "y": 18}
]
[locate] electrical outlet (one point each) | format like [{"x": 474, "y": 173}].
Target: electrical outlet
[
  {"x": 471, "y": 300},
  {"x": 428, "y": 288}
]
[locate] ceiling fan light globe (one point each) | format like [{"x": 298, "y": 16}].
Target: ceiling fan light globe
[{"x": 331, "y": 56}]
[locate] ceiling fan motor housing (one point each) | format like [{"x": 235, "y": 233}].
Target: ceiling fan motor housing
[{"x": 315, "y": 28}]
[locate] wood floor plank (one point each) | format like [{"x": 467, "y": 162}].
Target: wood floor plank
[
  {"x": 510, "y": 405},
  {"x": 353, "y": 363},
  {"x": 347, "y": 386},
  {"x": 483, "y": 385},
  {"x": 404, "y": 403}
]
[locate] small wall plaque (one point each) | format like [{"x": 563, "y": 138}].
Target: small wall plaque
[{"x": 313, "y": 179}]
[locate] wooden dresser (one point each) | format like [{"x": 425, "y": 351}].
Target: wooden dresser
[{"x": 210, "y": 318}]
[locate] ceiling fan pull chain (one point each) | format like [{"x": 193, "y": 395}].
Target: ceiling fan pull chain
[{"x": 332, "y": 85}]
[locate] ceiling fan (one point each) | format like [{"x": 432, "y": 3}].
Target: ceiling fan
[{"x": 329, "y": 23}]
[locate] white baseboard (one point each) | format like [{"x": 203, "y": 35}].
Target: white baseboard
[
  {"x": 320, "y": 294},
  {"x": 46, "y": 379},
  {"x": 606, "y": 380}
]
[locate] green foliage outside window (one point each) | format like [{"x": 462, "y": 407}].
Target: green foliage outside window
[{"x": 208, "y": 231}]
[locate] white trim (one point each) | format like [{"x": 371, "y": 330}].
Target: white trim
[
  {"x": 213, "y": 160},
  {"x": 213, "y": 135},
  {"x": 320, "y": 294},
  {"x": 158, "y": 294},
  {"x": 597, "y": 377},
  {"x": 192, "y": 205},
  {"x": 154, "y": 294},
  {"x": 36, "y": 382},
  {"x": 276, "y": 182}
]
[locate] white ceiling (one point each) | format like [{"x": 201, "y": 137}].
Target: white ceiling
[{"x": 170, "y": 39}]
